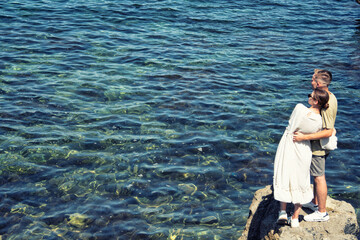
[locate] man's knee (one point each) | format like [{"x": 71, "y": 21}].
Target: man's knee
[{"x": 319, "y": 179}]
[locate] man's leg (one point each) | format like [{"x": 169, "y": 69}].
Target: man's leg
[
  {"x": 321, "y": 192},
  {"x": 315, "y": 199},
  {"x": 315, "y": 170}
]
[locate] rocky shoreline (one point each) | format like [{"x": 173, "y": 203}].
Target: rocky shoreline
[{"x": 261, "y": 223}]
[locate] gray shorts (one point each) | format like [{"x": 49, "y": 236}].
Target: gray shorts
[{"x": 317, "y": 167}]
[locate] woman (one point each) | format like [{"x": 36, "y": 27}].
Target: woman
[{"x": 292, "y": 160}]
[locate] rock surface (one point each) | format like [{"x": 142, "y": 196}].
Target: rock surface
[{"x": 261, "y": 223}]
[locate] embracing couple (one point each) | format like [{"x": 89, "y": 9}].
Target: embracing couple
[{"x": 301, "y": 154}]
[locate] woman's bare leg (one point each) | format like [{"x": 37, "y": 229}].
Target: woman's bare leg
[
  {"x": 296, "y": 211},
  {"x": 283, "y": 206}
]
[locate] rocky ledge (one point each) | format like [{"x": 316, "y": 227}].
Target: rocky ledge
[{"x": 261, "y": 223}]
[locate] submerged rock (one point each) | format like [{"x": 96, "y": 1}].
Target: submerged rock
[
  {"x": 188, "y": 188},
  {"x": 261, "y": 223},
  {"x": 79, "y": 220}
]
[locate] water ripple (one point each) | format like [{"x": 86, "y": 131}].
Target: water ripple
[{"x": 159, "y": 119}]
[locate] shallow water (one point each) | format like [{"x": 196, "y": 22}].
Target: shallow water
[{"x": 159, "y": 119}]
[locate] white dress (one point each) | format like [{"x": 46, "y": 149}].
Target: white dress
[{"x": 292, "y": 160}]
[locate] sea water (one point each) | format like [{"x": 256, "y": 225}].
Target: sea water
[{"x": 160, "y": 119}]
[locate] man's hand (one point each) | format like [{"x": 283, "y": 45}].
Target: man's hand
[{"x": 298, "y": 137}]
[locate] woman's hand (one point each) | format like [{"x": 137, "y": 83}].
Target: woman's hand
[{"x": 298, "y": 137}]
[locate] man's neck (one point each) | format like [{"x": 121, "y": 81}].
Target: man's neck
[{"x": 325, "y": 89}]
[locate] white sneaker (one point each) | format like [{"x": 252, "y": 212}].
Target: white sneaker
[
  {"x": 283, "y": 218},
  {"x": 311, "y": 206},
  {"x": 317, "y": 217},
  {"x": 294, "y": 223}
]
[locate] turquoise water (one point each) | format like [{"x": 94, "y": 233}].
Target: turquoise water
[{"x": 159, "y": 119}]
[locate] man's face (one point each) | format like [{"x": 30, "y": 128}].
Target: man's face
[
  {"x": 317, "y": 83},
  {"x": 314, "y": 83}
]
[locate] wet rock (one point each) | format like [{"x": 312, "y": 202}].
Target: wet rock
[{"x": 261, "y": 223}]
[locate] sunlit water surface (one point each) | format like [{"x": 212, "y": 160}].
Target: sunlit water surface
[{"x": 160, "y": 119}]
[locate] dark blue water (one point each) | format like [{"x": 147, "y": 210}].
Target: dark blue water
[{"x": 159, "y": 119}]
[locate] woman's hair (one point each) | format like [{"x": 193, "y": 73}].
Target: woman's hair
[{"x": 322, "y": 97}]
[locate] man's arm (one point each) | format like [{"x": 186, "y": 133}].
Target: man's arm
[{"x": 325, "y": 133}]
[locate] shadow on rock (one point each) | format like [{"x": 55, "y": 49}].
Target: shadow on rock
[{"x": 261, "y": 223}]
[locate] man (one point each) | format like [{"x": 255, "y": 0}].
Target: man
[{"x": 321, "y": 79}]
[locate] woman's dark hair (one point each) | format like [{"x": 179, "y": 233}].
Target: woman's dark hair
[{"x": 322, "y": 97}]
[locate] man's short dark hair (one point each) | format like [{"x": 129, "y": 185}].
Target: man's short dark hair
[{"x": 324, "y": 76}]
